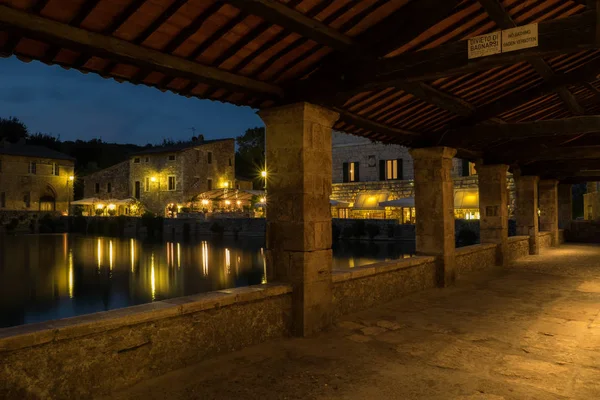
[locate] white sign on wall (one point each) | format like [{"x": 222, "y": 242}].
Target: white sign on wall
[
  {"x": 522, "y": 37},
  {"x": 485, "y": 45}
]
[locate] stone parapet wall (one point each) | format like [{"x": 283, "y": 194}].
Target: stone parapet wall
[
  {"x": 386, "y": 227},
  {"x": 475, "y": 258},
  {"x": 518, "y": 246},
  {"x": 92, "y": 355},
  {"x": 365, "y": 287},
  {"x": 545, "y": 240}
]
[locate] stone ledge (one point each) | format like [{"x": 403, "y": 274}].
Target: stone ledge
[
  {"x": 380, "y": 268},
  {"x": 461, "y": 251},
  {"x": 18, "y": 337},
  {"x": 512, "y": 239},
  {"x": 545, "y": 233}
]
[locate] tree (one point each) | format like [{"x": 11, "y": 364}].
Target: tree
[
  {"x": 250, "y": 156},
  {"x": 12, "y": 129},
  {"x": 43, "y": 139}
]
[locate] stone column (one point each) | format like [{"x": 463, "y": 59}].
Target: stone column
[
  {"x": 526, "y": 210},
  {"x": 434, "y": 203},
  {"x": 493, "y": 208},
  {"x": 298, "y": 138},
  {"x": 549, "y": 208},
  {"x": 565, "y": 205}
]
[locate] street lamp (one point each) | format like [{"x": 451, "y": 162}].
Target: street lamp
[{"x": 71, "y": 179}]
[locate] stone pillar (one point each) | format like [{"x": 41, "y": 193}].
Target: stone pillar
[
  {"x": 434, "y": 202},
  {"x": 298, "y": 142},
  {"x": 493, "y": 208},
  {"x": 565, "y": 205},
  {"x": 526, "y": 210},
  {"x": 549, "y": 208}
]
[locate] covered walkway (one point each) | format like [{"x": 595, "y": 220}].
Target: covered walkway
[{"x": 531, "y": 331}]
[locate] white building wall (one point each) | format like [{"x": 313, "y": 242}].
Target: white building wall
[{"x": 350, "y": 148}]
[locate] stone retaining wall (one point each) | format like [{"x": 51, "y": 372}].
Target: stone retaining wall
[
  {"x": 365, "y": 287},
  {"x": 92, "y": 355},
  {"x": 475, "y": 258}
]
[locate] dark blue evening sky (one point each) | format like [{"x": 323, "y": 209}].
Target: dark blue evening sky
[{"x": 73, "y": 105}]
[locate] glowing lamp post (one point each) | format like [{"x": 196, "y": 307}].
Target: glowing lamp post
[{"x": 71, "y": 179}]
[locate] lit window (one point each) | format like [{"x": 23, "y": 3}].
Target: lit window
[
  {"x": 390, "y": 170},
  {"x": 136, "y": 160},
  {"x": 171, "y": 182},
  {"x": 32, "y": 168},
  {"x": 351, "y": 172}
]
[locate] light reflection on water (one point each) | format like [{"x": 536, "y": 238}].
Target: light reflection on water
[{"x": 44, "y": 277}]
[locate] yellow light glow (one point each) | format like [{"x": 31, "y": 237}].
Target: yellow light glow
[
  {"x": 99, "y": 253},
  {"x": 153, "y": 179},
  {"x": 263, "y": 199},
  {"x": 132, "y": 243},
  {"x": 204, "y": 202},
  {"x": 227, "y": 202},
  {"x": 110, "y": 255},
  {"x": 133, "y": 207},
  {"x": 263, "y": 174},
  {"x": 70, "y": 274},
  {"x": 112, "y": 206},
  {"x": 227, "y": 261},
  {"x": 99, "y": 206},
  {"x": 264, "y": 260},
  {"x": 238, "y": 202},
  {"x": 178, "y": 255},
  {"x": 71, "y": 177},
  {"x": 152, "y": 277},
  {"x": 226, "y": 184},
  {"x": 205, "y": 258}
]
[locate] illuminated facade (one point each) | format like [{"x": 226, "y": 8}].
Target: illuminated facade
[
  {"x": 375, "y": 181},
  {"x": 35, "y": 178},
  {"x": 165, "y": 179}
]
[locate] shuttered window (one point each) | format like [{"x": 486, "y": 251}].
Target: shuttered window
[{"x": 351, "y": 172}]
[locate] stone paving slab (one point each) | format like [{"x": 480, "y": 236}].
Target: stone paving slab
[{"x": 531, "y": 331}]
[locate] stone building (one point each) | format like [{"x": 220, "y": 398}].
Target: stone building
[
  {"x": 358, "y": 159},
  {"x": 591, "y": 201},
  {"x": 109, "y": 183},
  {"x": 165, "y": 179},
  {"x": 35, "y": 178}
]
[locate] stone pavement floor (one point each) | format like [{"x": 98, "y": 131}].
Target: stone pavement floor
[{"x": 530, "y": 331}]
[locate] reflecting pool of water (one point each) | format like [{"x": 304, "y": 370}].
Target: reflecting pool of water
[{"x": 44, "y": 277}]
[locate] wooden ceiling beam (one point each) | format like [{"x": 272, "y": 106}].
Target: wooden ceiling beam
[
  {"x": 561, "y": 36},
  {"x": 292, "y": 20},
  {"x": 111, "y": 48},
  {"x": 532, "y": 151},
  {"x": 503, "y": 19},
  {"x": 538, "y": 129},
  {"x": 369, "y": 125},
  {"x": 587, "y": 72},
  {"x": 434, "y": 96}
]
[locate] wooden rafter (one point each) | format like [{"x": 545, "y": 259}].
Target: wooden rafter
[
  {"x": 503, "y": 19},
  {"x": 566, "y": 35},
  {"x": 280, "y": 14},
  {"x": 585, "y": 73},
  {"x": 122, "y": 51},
  {"x": 545, "y": 128}
]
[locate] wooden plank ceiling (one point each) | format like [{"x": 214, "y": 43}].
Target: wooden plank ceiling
[{"x": 396, "y": 70}]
